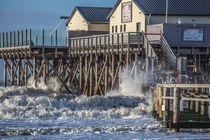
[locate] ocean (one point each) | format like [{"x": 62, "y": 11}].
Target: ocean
[{"x": 48, "y": 112}]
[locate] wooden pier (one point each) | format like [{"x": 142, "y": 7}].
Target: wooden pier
[{"x": 92, "y": 64}]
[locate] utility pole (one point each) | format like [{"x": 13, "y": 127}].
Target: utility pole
[{"x": 166, "y": 21}]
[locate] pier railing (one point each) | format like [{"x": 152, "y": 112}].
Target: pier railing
[
  {"x": 32, "y": 38},
  {"x": 183, "y": 105}
]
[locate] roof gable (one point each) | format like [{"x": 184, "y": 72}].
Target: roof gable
[{"x": 92, "y": 14}]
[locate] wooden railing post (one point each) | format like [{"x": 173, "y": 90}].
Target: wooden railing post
[
  {"x": 26, "y": 38},
  {"x": 30, "y": 43},
  {"x": 176, "y": 109},
  {"x": 43, "y": 43},
  {"x": 2, "y": 40},
  {"x": 10, "y": 39},
  {"x": 21, "y": 37},
  {"x": 18, "y": 38},
  {"x": 14, "y": 38},
  {"x": 7, "y": 39}
]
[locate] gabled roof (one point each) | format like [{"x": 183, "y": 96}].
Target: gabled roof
[
  {"x": 92, "y": 14},
  {"x": 176, "y": 7}
]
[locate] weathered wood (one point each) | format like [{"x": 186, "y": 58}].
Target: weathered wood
[
  {"x": 160, "y": 102},
  {"x": 26, "y": 72},
  {"x": 3, "y": 42},
  {"x": 34, "y": 72},
  {"x": 81, "y": 73},
  {"x": 43, "y": 49},
  {"x": 106, "y": 74},
  {"x": 91, "y": 75},
  {"x": 164, "y": 104},
  {"x": 176, "y": 109},
  {"x": 12, "y": 73},
  {"x": 96, "y": 72},
  {"x": 18, "y": 71},
  {"x": 5, "y": 73},
  {"x": 7, "y": 43}
]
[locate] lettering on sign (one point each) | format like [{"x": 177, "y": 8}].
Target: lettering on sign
[{"x": 193, "y": 35}]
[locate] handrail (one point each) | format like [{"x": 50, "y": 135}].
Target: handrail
[
  {"x": 165, "y": 46},
  {"x": 150, "y": 46}
]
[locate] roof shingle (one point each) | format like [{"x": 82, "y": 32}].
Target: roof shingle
[{"x": 175, "y": 7}]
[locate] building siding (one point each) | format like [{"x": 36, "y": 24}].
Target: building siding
[
  {"x": 137, "y": 16},
  {"x": 99, "y": 27},
  {"x": 77, "y": 22}
]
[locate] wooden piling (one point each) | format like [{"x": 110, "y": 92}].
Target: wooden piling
[
  {"x": 3, "y": 40},
  {"x": 81, "y": 73},
  {"x": 176, "y": 109},
  {"x": 18, "y": 71},
  {"x": 5, "y": 73}
]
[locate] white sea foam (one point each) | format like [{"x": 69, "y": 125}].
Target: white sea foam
[{"x": 47, "y": 101}]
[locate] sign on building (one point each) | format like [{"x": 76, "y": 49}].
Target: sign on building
[
  {"x": 126, "y": 12},
  {"x": 193, "y": 35}
]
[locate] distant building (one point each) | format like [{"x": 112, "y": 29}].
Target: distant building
[
  {"x": 88, "y": 21},
  {"x": 135, "y": 15}
]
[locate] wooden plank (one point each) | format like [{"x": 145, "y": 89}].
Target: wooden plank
[{"x": 185, "y": 85}]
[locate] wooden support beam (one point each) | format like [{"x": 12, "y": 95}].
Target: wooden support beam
[
  {"x": 5, "y": 73},
  {"x": 164, "y": 109},
  {"x": 106, "y": 74},
  {"x": 34, "y": 72},
  {"x": 176, "y": 109},
  {"x": 3, "y": 40},
  {"x": 30, "y": 43},
  {"x": 160, "y": 102},
  {"x": 44, "y": 71},
  {"x": 113, "y": 69},
  {"x": 81, "y": 73},
  {"x": 18, "y": 71},
  {"x": 91, "y": 75},
  {"x": 12, "y": 73},
  {"x": 96, "y": 72},
  {"x": 26, "y": 72}
]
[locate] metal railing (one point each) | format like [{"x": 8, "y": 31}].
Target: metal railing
[{"x": 167, "y": 49}]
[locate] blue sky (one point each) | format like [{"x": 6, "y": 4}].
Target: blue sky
[{"x": 39, "y": 14}]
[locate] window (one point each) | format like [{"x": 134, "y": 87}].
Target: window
[
  {"x": 124, "y": 27},
  {"x": 121, "y": 28},
  {"x": 112, "y": 29},
  {"x": 115, "y": 29},
  {"x": 138, "y": 27}
]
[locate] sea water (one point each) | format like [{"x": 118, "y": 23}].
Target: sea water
[{"x": 46, "y": 112}]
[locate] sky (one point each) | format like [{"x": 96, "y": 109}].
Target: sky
[{"x": 39, "y": 14}]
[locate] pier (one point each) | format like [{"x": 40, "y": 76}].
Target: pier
[{"x": 92, "y": 64}]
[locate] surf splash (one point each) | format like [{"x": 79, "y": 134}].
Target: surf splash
[{"x": 48, "y": 101}]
